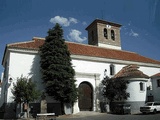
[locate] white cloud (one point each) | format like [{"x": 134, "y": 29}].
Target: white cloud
[
  {"x": 134, "y": 34},
  {"x": 63, "y": 21},
  {"x": 75, "y": 35},
  {"x": 73, "y": 20},
  {"x": 84, "y": 23}
]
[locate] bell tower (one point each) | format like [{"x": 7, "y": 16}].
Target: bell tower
[{"x": 104, "y": 34}]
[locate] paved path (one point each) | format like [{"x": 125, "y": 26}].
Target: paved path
[
  {"x": 87, "y": 115},
  {"x": 105, "y": 116},
  {"x": 81, "y": 114}
]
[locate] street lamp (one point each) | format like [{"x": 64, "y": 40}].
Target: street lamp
[{"x": 10, "y": 81}]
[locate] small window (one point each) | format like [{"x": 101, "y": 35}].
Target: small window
[
  {"x": 105, "y": 33},
  {"x": 92, "y": 36},
  {"x": 112, "y": 69},
  {"x": 5, "y": 70},
  {"x": 112, "y": 35},
  {"x": 158, "y": 83},
  {"x": 142, "y": 87}
]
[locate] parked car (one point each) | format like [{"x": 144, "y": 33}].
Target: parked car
[{"x": 150, "y": 107}]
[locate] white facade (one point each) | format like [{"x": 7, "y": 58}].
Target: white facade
[
  {"x": 155, "y": 89},
  {"x": 96, "y": 67},
  {"x": 136, "y": 94},
  {"x": 89, "y": 69}
]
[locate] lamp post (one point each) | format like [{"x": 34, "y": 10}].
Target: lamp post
[{"x": 10, "y": 81}]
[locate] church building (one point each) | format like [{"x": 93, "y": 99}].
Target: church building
[{"x": 101, "y": 57}]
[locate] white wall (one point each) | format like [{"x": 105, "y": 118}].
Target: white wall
[
  {"x": 156, "y": 89},
  {"x": 26, "y": 65},
  {"x": 134, "y": 89},
  {"x": 82, "y": 66},
  {"x": 99, "y": 67},
  {"x": 21, "y": 64}
]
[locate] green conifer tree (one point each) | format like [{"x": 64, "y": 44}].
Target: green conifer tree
[{"x": 56, "y": 67}]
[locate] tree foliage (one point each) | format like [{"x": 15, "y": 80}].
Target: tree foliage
[
  {"x": 56, "y": 67},
  {"x": 115, "y": 89},
  {"x": 25, "y": 90}
]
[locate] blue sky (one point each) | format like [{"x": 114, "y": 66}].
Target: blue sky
[{"x": 21, "y": 20}]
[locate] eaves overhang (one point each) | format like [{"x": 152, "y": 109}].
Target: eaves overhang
[
  {"x": 113, "y": 61},
  {"x": 9, "y": 49}
]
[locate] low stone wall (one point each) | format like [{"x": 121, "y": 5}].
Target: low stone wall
[
  {"x": 9, "y": 110},
  {"x": 51, "y": 108}
]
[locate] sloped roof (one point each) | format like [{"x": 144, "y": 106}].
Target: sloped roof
[
  {"x": 130, "y": 71},
  {"x": 88, "y": 50},
  {"x": 34, "y": 44},
  {"x": 103, "y": 22},
  {"x": 156, "y": 75}
]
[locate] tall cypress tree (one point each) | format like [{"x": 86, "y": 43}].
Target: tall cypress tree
[{"x": 56, "y": 67}]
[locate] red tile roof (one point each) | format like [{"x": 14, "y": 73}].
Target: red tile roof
[
  {"x": 89, "y": 50},
  {"x": 130, "y": 71},
  {"x": 35, "y": 44},
  {"x": 156, "y": 75}
]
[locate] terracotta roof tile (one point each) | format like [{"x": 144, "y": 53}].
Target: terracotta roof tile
[
  {"x": 130, "y": 71},
  {"x": 34, "y": 44},
  {"x": 156, "y": 75},
  {"x": 89, "y": 50},
  {"x": 94, "y": 51}
]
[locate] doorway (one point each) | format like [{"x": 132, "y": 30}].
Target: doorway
[{"x": 85, "y": 100}]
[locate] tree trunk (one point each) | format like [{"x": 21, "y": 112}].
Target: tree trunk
[{"x": 27, "y": 110}]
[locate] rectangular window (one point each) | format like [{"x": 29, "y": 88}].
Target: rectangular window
[
  {"x": 5, "y": 70},
  {"x": 112, "y": 35},
  {"x": 105, "y": 33},
  {"x": 158, "y": 83},
  {"x": 142, "y": 87},
  {"x": 112, "y": 69}
]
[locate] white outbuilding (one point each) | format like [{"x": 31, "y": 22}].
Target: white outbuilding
[{"x": 136, "y": 87}]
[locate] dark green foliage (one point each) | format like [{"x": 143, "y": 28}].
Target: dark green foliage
[
  {"x": 56, "y": 67},
  {"x": 115, "y": 89},
  {"x": 25, "y": 90}
]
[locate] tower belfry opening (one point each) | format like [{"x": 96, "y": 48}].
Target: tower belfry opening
[{"x": 104, "y": 34}]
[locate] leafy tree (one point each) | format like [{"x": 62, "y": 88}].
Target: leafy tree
[
  {"x": 25, "y": 91},
  {"x": 56, "y": 67},
  {"x": 115, "y": 89}
]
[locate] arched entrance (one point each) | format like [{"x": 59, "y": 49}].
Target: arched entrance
[{"x": 85, "y": 100}]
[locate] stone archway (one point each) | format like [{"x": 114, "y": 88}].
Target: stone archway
[{"x": 85, "y": 100}]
